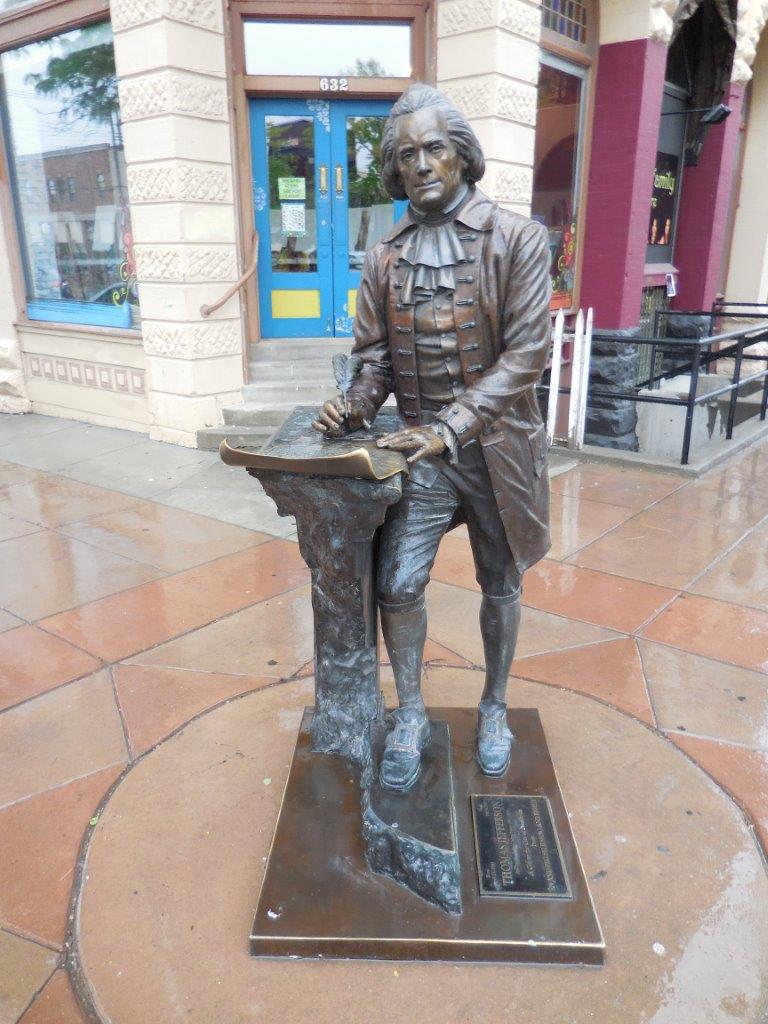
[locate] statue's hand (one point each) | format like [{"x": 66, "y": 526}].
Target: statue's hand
[
  {"x": 424, "y": 440},
  {"x": 332, "y": 420}
]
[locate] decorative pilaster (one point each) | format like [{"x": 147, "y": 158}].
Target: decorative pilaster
[
  {"x": 171, "y": 63},
  {"x": 488, "y": 64}
]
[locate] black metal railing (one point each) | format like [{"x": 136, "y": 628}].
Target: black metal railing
[{"x": 696, "y": 355}]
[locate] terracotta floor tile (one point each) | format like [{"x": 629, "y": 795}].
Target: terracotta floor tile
[
  {"x": 743, "y": 474},
  {"x": 155, "y": 701},
  {"x": 452, "y": 615},
  {"x": 577, "y": 521},
  {"x": 46, "y": 573},
  {"x": 158, "y": 906},
  {"x": 56, "y": 1004},
  {"x": 32, "y": 662},
  {"x": 8, "y": 621},
  {"x": 51, "y": 501},
  {"x": 454, "y": 563},
  {"x": 12, "y": 526},
  {"x": 60, "y": 736},
  {"x": 616, "y": 485},
  {"x": 704, "y": 697},
  {"x": 39, "y": 844},
  {"x": 660, "y": 548},
  {"x": 743, "y": 773},
  {"x": 597, "y": 597},
  {"x": 168, "y": 538},
  {"x": 24, "y": 968},
  {"x": 610, "y": 671},
  {"x": 11, "y": 474},
  {"x": 273, "y": 638},
  {"x": 137, "y": 619},
  {"x": 742, "y": 575},
  {"x": 714, "y": 629},
  {"x": 703, "y": 499}
]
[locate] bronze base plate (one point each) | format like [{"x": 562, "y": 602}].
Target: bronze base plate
[{"x": 319, "y": 898}]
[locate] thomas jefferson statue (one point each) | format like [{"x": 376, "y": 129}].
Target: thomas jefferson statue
[{"x": 453, "y": 316}]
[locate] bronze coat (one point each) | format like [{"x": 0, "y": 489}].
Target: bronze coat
[{"x": 501, "y": 311}]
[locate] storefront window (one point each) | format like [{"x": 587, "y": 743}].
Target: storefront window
[
  {"x": 65, "y": 150},
  {"x": 360, "y": 50},
  {"x": 559, "y": 132}
]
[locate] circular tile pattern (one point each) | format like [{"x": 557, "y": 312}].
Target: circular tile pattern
[{"x": 175, "y": 862}]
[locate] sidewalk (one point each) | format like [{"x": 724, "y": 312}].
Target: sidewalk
[{"x": 142, "y": 585}]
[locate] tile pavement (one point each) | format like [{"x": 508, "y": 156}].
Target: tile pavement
[{"x": 141, "y": 585}]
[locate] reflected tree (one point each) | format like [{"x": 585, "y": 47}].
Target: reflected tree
[{"x": 83, "y": 79}]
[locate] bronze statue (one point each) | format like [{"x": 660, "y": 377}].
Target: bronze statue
[{"x": 453, "y": 316}]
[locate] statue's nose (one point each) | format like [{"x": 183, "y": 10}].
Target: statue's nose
[{"x": 422, "y": 166}]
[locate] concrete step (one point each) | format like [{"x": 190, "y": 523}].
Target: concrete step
[
  {"x": 257, "y": 414},
  {"x": 209, "y": 438},
  {"x": 299, "y": 392},
  {"x": 287, "y": 349},
  {"x": 285, "y": 370}
]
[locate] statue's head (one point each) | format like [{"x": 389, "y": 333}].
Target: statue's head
[{"x": 428, "y": 150}]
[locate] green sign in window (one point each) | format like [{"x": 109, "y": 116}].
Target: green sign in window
[{"x": 292, "y": 188}]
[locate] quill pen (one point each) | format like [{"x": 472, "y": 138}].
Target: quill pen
[{"x": 345, "y": 370}]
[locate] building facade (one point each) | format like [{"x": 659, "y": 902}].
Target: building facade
[{"x": 154, "y": 150}]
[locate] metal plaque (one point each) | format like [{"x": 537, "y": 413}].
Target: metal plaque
[{"x": 518, "y": 853}]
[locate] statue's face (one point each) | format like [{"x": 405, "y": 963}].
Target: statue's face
[{"x": 430, "y": 167}]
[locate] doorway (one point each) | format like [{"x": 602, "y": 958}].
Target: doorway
[{"x": 319, "y": 205}]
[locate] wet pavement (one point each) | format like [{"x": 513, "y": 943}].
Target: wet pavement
[{"x": 144, "y": 587}]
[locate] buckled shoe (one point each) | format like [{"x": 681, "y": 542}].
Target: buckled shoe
[
  {"x": 401, "y": 760},
  {"x": 494, "y": 738}
]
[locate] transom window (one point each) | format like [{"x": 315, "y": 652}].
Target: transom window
[
  {"x": 356, "y": 50},
  {"x": 565, "y": 17}
]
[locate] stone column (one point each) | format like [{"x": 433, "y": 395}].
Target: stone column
[
  {"x": 171, "y": 64},
  {"x": 703, "y": 214},
  {"x": 748, "y": 270},
  {"x": 629, "y": 89},
  {"x": 488, "y": 63}
]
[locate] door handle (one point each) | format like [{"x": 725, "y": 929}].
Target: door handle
[
  {"x": 339, "y": 180},
  {"x": 323, "y": 181}
]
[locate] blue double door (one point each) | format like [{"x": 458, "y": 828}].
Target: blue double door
[{"x": 319, "y": 205}]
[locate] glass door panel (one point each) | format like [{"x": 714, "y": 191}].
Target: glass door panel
[
  {"x": 319, "y": 206},
  {"x": 291, "y": 158},
  {"x": 362, "y": 211}
]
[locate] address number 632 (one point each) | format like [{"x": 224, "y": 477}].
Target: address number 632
[{"x": 334, "y": 85}]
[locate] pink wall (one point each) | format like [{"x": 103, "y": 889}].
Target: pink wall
[
  {"x": 629, "y": 90},
  {"x": 703, "y": 215}
]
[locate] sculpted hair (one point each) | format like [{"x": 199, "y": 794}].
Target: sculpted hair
[{"x": 417, "y": 97}]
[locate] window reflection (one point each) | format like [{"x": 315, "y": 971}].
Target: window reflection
[
  {"x": 371, "y": 213},
  {"x": 556, "y": 166},
  {"x": 66, "y": 153},
  {"x": 328, "y": 48},
  {"x": 292, "y": 218}
]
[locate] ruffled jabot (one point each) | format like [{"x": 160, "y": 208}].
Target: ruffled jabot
[{"x": 430, "y": 253}]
